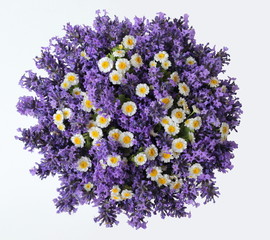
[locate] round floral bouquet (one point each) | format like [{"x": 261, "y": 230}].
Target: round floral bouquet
[{"x": 132, "y": 117}]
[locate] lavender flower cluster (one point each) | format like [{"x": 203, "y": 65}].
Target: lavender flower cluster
[{"x": 132, "y": 117}]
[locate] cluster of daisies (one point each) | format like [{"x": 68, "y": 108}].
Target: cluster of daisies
[{"x": 134, "y": 118}]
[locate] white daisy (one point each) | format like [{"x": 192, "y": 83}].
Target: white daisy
[
  {"x": 175, "y": 77},
  {"x": 87, "y": 104},
  {"x": 76, "y": 91},
  {"x": 122, "y": 65},
  {"x": 119, "y": 53},
  {"x": 190, "y": 61},
  {"x": 95, "y": 133},
  {"x": 166, "y": 64},
  {"x": 165, "y": 121},
  {"x": 151, "y": 152},
  {"x": 115, "y": 134},
  {"x": 152, "y": 64},
  {"x": 58, "y": 117},
  {"x": 140, "y": 159},
  {"x": 103, "y": 121},
  {"x": 153, "y": 173},
  {"x": 176, "y": 185},
  {"x": 115, "y": 190},
  {"x": 183, "y": 89},
  {"x": 126, "y": 194},
  {"x": 72, "y": 78},
  {"x": 116, "y": 198},
  {"x": 195, "y": 170},
  {"x": 178, "y": 115},
  {"x": 166, "y": 156},
  {"x": 136, "y": 60},
  {"x": 224, "y": 130},
  {"x": 61, "y": 126},
  {"x": 83, "y": 164},
  {"x": 113, "y": 161},
  {"x": 172, "y": 129},
  {"x": 88, "y": 186},
  {"x": 91, "y": 124},
  {"x": 163, "y": 180},
  {"x": 65, "y": 85},
  {"x": 142, "y": 90},
  {"x": 129, "y": 42},
  {"x": 105, "y": 64},
  {"x": 126, "y": 139},
  {"x": 67, "y": 113},
  {"x": 78, "y": 140},
  {"x": 167, "y": 101},
  {"x": 161, "y": 56},
  {"x": 129, "y": 108},
  {"x": 116, "y": 77},
  {"x": 213, "y": 82},
  {"x": 195, "y": 123},
  {"x": 84, "y": 55},
  {"x": 179, "y": 145}
]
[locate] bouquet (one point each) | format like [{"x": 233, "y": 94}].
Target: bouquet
[{"x": 133, "y": 117}]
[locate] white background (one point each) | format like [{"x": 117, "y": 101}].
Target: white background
[{"x": 241, "y": 212}]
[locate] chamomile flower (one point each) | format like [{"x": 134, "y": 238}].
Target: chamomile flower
[
  {"x": 113, "y": 161},
  {"x": 103, "y": 164},
  {"x": 151, "y": 152},
  {"x": 191, "y": 137},
  {"x": 153, "y": 64},
  {"x": 136, "y": 60},
  {"x": 72, "y": 78},
  {"x": 153, "y": 173},
  {"x": 165, "y": 121},
  {"x": 224, "y": 130},
  {"x": 119, "y": 53},
  {"x": 129, "y": 108},
  {"x": 105, "y": 64},
  {"x": 84, "y": 55},
  {"x": 166, "y": 64},
  {"x": 167, "y": 101},
  {"x": 213, "y": 82},
  {"x": 195, "y": 123},
  {"x": 76, "y": 91},
  {"x": 161, "y": 56},
  {"x": 116, "y": 198},
  {"x": 179, "y": 145},
  {"x": 175, "y": 77},
  {"x": 116, "y": 77},
  {"x": 183, "y": 103},
  {"x": 91, "y": 124},
  {"x": 65, "y": 85},
  {"x": 58, "y": 117},
  {"x": 67, "y": 113},
  {"x": 88, "y": 186},
  {"x": 126, "y": 139},
  {"x": 183, "y": 89},
  {"x": 176, "y": 185},
  {"x": 163, "y": 180},
  {"x": 140, "y": 159},
  {"x": 122, "y": 65},
  {"x": 87, "y": 104},
  {"x": 115, "y": 190},
  {"x": 103, "y": 121},
  {"x": 95, "y": 133},
  {"x": 126, "y": 194},
  {"x": 142, "y": 90},
  {"x": 78, "y": 140},
  {"x": 172, "y": 129},
  {"x": 178, "y": 115},
  {"x": 195, "y": 109},
  {"x": 129, "y": 42},
  {"x": 166, "y": 156},
  {"x": 83, "y": 164},
  {"x": 61, "y": 127},
  {"x": 190, "y": 61},
  {"x": 115, "y": 134},
  {"x": 195, "y": 170}
]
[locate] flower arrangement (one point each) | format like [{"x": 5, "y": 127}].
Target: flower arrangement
[{"x": 132, "y": 117}]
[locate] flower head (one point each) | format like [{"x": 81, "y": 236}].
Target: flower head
[
  {"x": 115, "y": 134},
  {"x": 190, "y": 61},
  {"x": 175, "y": 77},
  {"x": 126, "y": 194},
  {"x": 88, "y": 186},
  {"x": 161, "y": 56},
  {"x": 58, "y": 117},
  {"x": 83, "y": 164},
  {"x": 163, "y": 180},
  {"x": 129, "y": 42},
  {"x": 136, "y": 60},
  {"x": 213, "y": 82},
  {"x": 142, "y": 90},
  {"x": 78, "y": 140},
  {"x": 178, "y": 115},
  {"x": 103, "y": 121},
  {"x": 113, "y": 161},
  {"x": 153, "y": 173},
  {"x": 167, "y": 101},
  {"x": 129, "y": 108},
  {"x": 119, "y": 53},
  {"x": 195, "y": 170},
  {"x": 126, "y": 139},
  {"x": 151, "y": 152},
  {"x": 116, "y": 77},
  {"x": 105, "y": 64},
  {"x": 140, "y": 159},
  {"x": 172, "y": 128},
  {"x": 122, "y": 65},
  {"x": 95, "y": 133},
  {"x": 166, "y": 156},
  {"x": 179, "y": 145},
  {"x": 67, "y": 113},
  {"x": 72, "y": 78},
  {"x": 183, "y": 89}
]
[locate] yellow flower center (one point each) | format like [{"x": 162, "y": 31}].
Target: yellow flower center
[
  {"x": 102, "y": 120},
  {"x": 61, "y": 127},
  {"x": 153, "y": 173},
  {"x": 83, "y": 164},
  {"x": 65, "y": 84},
  {"x": 116, "y": 135},
  {"x": 166, "y": 64},
  {"x": 179, "y": 114},
  {"x": 185, "y": 89},
  {"x": 152, "y": 151},
  {"x": 161, "y": 55},
  {"x": 88, "y": 104},
  {"x": 177, "y": 185},
  {"x": 171, "y": 129},
  {"x": 121, "y": 46},
  {"x": 162, "y": 181},
  {"x": 129, "y": 41},
  {"x": 122, "y": 65},
  {"x": 127, "y": 139},
  {"x": 58, "y": 117},
  {"x": 141, "y": 159},
  {"x": 77, "y": 140},
  {"x": 196, "y": 123},
  {"x": 142, "y": 90},
  {"x": 114, "y": 160},
  {"x": 115, "y": 190},
  {"x": 129, "y": 108},
  {"x": 166, "y": 155},
  {"x": 115, "y": 77},
  {"x": 191, "y": 62},
  {"x": 165, "y": 121},
  {"x": 214, "y": 81},
  {"x": 88, "y": 186},
  {"x": 95, "y": 134},
  {"x": 225, "y": 130},
  {"x": 127, "y": 194},
  {"x": 165, "y": 100},
  {"x": 71, "y": 78},
  {"x": 138, "y": 60},
  {"x": 115, "y": 198},
  {"x": 105, "y": 64},
  {"x": 91, "y": 124},
  {"x": 196, "y": 170},
  {"x": 66, "y": 113},
  {"x": 179, "y": 145}
]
